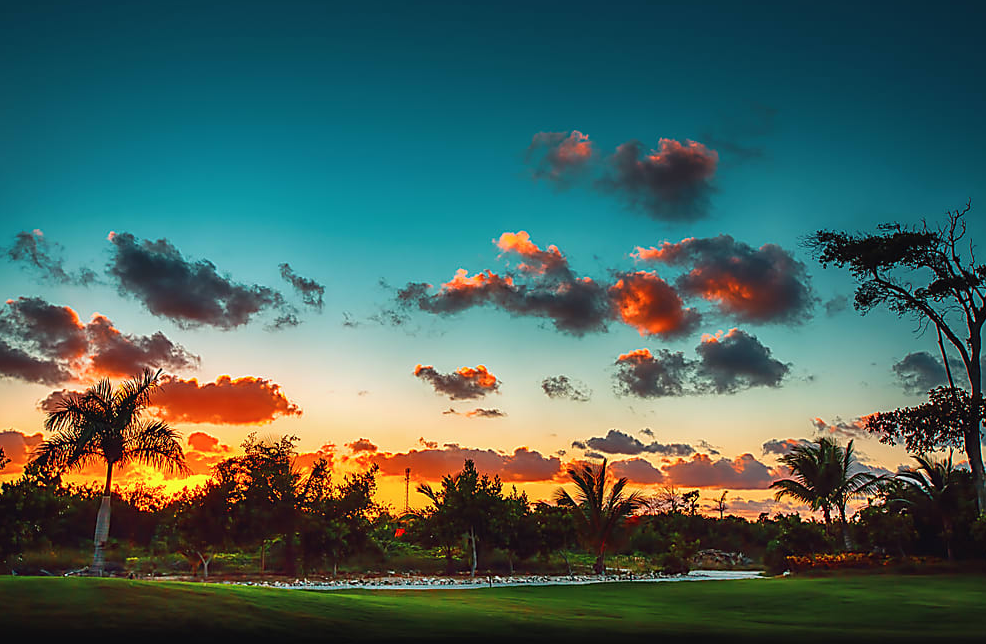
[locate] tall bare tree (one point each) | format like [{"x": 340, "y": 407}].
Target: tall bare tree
[{"x": 928, "y": 273}]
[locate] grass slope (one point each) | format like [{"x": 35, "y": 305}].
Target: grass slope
[{"x": 870, "y": 608}]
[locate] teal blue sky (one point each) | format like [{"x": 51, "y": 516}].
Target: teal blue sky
[{"x": 387, "y": 142}]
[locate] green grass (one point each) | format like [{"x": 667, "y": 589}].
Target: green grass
[{"x": 838, "y": 609}]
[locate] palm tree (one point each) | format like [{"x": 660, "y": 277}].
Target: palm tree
[
  {"x": 103, "y": 424},
  {"x": 598, "y": 515},
  {"x": 822, "y": 479},
  {"x": 936, "y": 484}
]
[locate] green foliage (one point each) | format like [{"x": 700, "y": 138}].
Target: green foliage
[
  {"x": 796, "y": 537},
  {"x": 599, "y": 517}
]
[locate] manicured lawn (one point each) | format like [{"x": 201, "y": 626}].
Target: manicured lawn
[{"x": 845, "y": 609}]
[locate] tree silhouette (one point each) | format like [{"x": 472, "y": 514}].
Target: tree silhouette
[
  {"x": 598, "y": 515},
  {"x": 720, "y": 505},
  {"x": 104, "y": 424},
  {"x": 822, "y": 479},
  {"x": 925, "y": 273},
  {"x": 936, "y": 485}
]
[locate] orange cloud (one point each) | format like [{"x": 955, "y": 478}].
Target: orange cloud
[
  {"x": 536, "y": 260},
  {"x": 645, "y": 301},
  {"x": 742, "y": 473},
  {"x": 243, "y": 401},
  {"x": 17, "y": 447},
  {"x": 765, "y": 284},
  {"x": 432, "y": 464}
]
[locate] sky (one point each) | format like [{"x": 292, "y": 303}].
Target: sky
[{"x": 414, "y": 233}]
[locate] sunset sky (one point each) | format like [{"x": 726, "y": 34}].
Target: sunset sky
[{"x": 414, "y": 233}]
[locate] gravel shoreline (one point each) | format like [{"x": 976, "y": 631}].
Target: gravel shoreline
[{"x": 432, "y": 583}]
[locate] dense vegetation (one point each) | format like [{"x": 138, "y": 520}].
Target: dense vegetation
[{"x": 259, "y": 514}]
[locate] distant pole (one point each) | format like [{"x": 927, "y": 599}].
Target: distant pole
[{"x": 407, "y": 490}]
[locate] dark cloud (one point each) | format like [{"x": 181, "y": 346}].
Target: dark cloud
[
  {"x": 742, "y": 473},
  {"x": 643, "y": 374},
  {"x": 431, "y": 464},
  {"x": 579, "y": 445},
  {"x": 672, "y": 183},
  {"x": 311, "y": 291},
  {"x": 559, "y": 156},
  {"x": 480, "y": 412},
  {"x": 565, "y": 387},
  {"x": 428, "y": 444},
  {"x": 647, "y": 431},
  {"x": 36, "y": 252},
  {"x": 765, "y": 285},
  {"x": 727, "y": 363},
  {"x": 617, "y": 442},
  {"x": 737, "y": 361},
  {"x": 919, "y": 372},
  {"x": 42, "y": 342},
  {"x": 649, "y": 304},
  {"x": 188, "y": 293},
  {"x": 782, "y": 447},
  {"x": 362, "y": 445},
  {"x": 17, "y": 364},
  {"x": 855, "y": 428},
  {"x": 118, "y": 354},
  {"x": 464, "y": 384},
  {"x": 227, "y": 401},
  {"x": 735, "y": 136},
  {"x": 52, "y": 332},
  {"x": 545, "y": 288},
  {"x": 708, "y": 447},
  {"x": 836, "y": 305},
  {"x": 638, "y": 471}
]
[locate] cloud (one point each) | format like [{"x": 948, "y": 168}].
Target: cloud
[
  {"x": 647, "y": 431},
  {"x": 311, "y": 291},
  {"x": 544, "y": 288},
  {"x": 765, "y": 285},
  {"x": 648, "y": 303},
  {"x": 737, "y": 361},
  {"x": 52, "y": 332},
  {"x": 17, "y": 447},
  {"x": 836, "y": 305},
  {"x": 362, "y": 445},
  {"x": 190, "y": 294},
  {"x": 919, "y": 372},
  {"x": 45, "y": 343},
  {"x": 645, "y": 375},
  {"x": 536, "y": 261},
  {"x": 727, "y": 363},
  {"x": 479, "y": 412},
  {"x": 672, "y": 183},
  {"x": 35, "y": 251},
  {"x": 463, "y": 384},
  {"x": 617, "y": 442},
  {"x": 855, "y": 428},
  {"x": 431, "y": 464},
  {"x": 202, "y": 442},
  {"x": 742, "y": 473},
  {"x": 15, "y": 363},
  {"x": 113, "y": 353},
  {"x": 227, "y": 401},
  {"x": 559, "y": 156},
  {"x": 782, "y": 447},
  {"x": 428, "y": 444},
  {"x": 565, "y": 387},
  {"x": 637, "y": 470}
]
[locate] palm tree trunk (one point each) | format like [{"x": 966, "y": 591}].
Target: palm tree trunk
[
  {"x": 102, "y": 532},
  {"x": 600, "y": 566},
  {"x": 472, "y": 539},
  {"x": 847, "y": 542}
]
